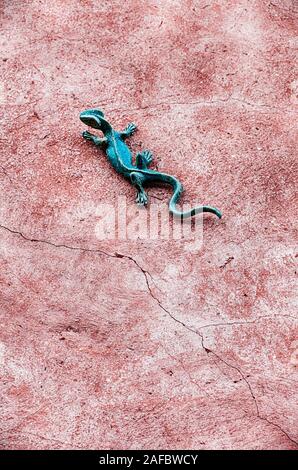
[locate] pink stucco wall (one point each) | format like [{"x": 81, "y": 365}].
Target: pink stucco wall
[{"x": 162, "y": 347}]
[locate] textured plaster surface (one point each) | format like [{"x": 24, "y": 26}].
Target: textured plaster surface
[{"x": 157, "y": 347}]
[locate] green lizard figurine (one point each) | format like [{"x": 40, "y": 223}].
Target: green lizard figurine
[{"x": 139, "y": 175}]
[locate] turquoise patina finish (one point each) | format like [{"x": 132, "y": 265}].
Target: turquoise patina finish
[{"x": 139, "y": 174}]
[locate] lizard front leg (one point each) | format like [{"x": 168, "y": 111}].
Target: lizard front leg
[
  {"x": 128, "y": 131},
  {"x": 93, "y": 138},
  {"x": 137, "y": 180}
]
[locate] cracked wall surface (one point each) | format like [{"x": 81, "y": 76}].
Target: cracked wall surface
[{"x": 138, "y": 344}]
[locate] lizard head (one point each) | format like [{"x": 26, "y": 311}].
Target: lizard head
[{"x": 92, "y": 117}]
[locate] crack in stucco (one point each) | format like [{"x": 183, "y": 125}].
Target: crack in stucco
[
  {"x": 80, "y": 249},
  {"x": 156, "y": 299},
  {"x": 228, "y": 261},
  {"x": 227, "y": 100},
  {"x": 263, "y": 418},
  {"x": 210, "y": 351},
  {"x": 207, "y": 350},
  {"x": 246, "y": 322},
  {"x": 56, "y": 245}
]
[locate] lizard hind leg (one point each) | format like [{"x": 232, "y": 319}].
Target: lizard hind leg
[
  {"x": 137, "y": 180},
  {"x": 143, "y": 159}
]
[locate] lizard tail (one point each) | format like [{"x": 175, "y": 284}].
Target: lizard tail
[{"x": 178, "y": 189}]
